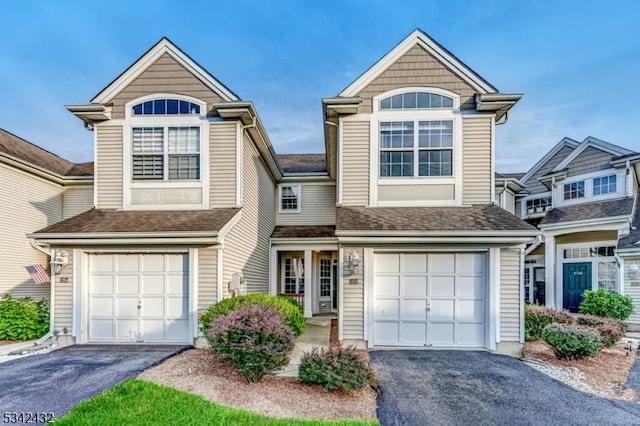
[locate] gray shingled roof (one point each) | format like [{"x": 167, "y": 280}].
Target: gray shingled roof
[
  {"x": 629, "y": 241},
  {"x": 316, "y": 231},
  {"x": 517, "y": 176},
  {"x": 302, "y": 163},
  {"x": 21, "y": 149},
  {"x": 586, "y": 211},
  {"x": 107, "y": 220},
  {"x": 472, "y": 218}
]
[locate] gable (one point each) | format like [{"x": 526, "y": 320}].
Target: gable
[
  {"x": 165, "y": 75},
  {"x": 417, "y": 67},
  {"x": 588, "y": 161},
  {"x": 532, "y": 184}
]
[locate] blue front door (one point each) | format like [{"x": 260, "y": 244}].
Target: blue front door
[{"x": 577, "y": 279}]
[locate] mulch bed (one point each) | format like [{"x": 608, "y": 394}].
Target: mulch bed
[{"x": 202, "y": 372}]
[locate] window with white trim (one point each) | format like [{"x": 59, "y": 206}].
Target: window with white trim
[
  {"x": 416, "y": 100},
  {"x": 574, "y": 190},
  {"x": 165, "y": 107},
  {"x": 608, "y": 276},
  {"x": 289, "y": 199},
  {"x": 165, "y": 153},
  {"x": 538, "y": 205},
  {"x": 604, "y": 185}
]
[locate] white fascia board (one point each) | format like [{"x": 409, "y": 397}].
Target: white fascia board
[
  {"x": 417, "y": 37},
  {"x": 594, "y": 143},
  {"x": 202, "y": 241},
  {"x": 511, "y": 240},
  {"x": 312, "y": 242},
  {"x": 564, "y": 142},
  {"x": 443, "y": 233},
  {"x": 611, "y": 223},
  {"x": 139, "y": 66}
]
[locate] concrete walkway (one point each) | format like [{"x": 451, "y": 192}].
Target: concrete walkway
[{"x": 316, "y": 334}]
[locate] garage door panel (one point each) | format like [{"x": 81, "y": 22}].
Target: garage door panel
[
  {"x": 470, "y": 310},
  {"x": 153, "y": 284},
  {"x": 387, "y": 333},
  {"x": 102, "y": 284},
  {"x": 153, "y": 307},
  {"x": 127, "y": 284},
  {"x": 413, "y": 333},
  {"x": 153, "y": 330},
  {"x": 470, "y": 334},
  {"x": 127, "y": 329},
  {"x": 101, "y": 306},
  {"x": 177, "y": 307},
  {"x": 415, "y": 286},
  {"x": 153, "y": 263},
  {"x": 127, "y": 263},
  {"x": 177, "y": 263},
  {"x": 441, "y": 333},
  {"x": 177, "y": 284},
  {"x": 388, "y": 286},
  {"x": 101, "y": 329},
  {"x": 442, "y": 263},
  {"x": 469, "y": 286},
  {"x": 102, "y": 264},
  {"x": 470, "y": 263},
  {"x": 387, "y": 309},
  {"x": 442, "y": 310},
  {"x": 414, "y": 310},
  {"x": 127, "y": 307},
  {"x": 415, "y": 263},
  {"x": 388, "y": 263},
  {"x": 442, "y": 286},
  {"x": 177, "y": 329}
]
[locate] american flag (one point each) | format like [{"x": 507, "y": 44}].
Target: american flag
[{"x": 38, "y": 273}]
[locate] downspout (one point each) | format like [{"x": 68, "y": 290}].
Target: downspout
[
  {"x": 49, "y": 334},
  {"x": 523, "y": 254}
]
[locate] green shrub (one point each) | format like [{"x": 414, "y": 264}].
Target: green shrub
[
  {"x": 604, "y": 303},
  {"x": 254, "y": 339},
  {"x": 536, "y": 318},
  {"x": 23, "y": 318},
  {"x": 335, "y": 368},
  {"x": 610, "y": 329},
  {"x": 571, "y": 341},
  {"x": 286, "y": 307}
]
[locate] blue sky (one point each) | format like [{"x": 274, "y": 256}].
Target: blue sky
[{"x": 576, "y": 62}]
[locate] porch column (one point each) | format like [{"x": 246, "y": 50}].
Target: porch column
[
  {"x": 273, "y": 271},
  {"x": 550, "y": 271},
  {"x": 308, "y": 283}
]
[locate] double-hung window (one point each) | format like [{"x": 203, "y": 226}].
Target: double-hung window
[
  {"x": 289, "y": 199},
  {"x": 574, "y": 190},
  {"x": 604, "y": 185},
  {"x": 418, "y": 146}
]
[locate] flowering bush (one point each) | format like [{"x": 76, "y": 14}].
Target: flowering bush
[
  {"x": 610, "y": 329},
  {"x": 254, "y": 339},
  {"x": 571, "y": 341},
  {"x": 335, "y": 368},
  {"x": 536, "y": 318}
]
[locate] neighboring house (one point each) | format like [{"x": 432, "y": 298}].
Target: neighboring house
[
  {"x": 582, "y": 195},
  {"x": 39, "y": 189},
  {"x": 394, "y": 229}
]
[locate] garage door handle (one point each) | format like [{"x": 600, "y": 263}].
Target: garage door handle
[
  {"x": 428, "y": 308},
  {"x": 139, "y": 304}
]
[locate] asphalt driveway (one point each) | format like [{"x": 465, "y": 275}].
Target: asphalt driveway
[
  {"x": 56, "y": 381},
  {"x": 432, "y": 387}
]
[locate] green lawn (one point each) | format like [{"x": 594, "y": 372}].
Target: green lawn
[{"x": 137, "y": 402}]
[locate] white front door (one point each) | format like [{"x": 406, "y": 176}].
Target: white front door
[
  {"x": 139, "y": 298},
  {"x": 423, "y": 299}
]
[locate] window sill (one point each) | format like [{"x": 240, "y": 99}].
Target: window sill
[{"x": 425, "y": 180}]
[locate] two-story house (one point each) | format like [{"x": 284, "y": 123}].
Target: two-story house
[
  {"x": 394, "y": 229},
  {"x": 582, "y": 195}
]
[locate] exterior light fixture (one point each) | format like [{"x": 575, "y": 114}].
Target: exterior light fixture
[
  {"x": 634, "y": 271},
  {"x": 59, "y": 260}
]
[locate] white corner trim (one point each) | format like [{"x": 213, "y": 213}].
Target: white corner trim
[
  {"x": 368, "y": 295},
  {"x": 239, "y": 162},
  {"x": 220, "y": 273},
  {"x": 417, "y": 37},
  {"x": 193, "y": 292},
  {"x": 493, "y": 164},
  {"x": 339, "y": 161},
  {"x": 341, "y": 294},
  {"x": 76, "y": 283},
  {"x": 146, "y": 60}
]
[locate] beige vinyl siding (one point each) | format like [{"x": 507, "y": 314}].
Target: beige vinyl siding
[
  {"x": 318, "y": 206},
  {"x": 355, "y": 163},
  {"x": 507, "y": 199},
  {"x": 511, "y": 202},
  {"x": 63, "y": 296},
  {"x": 533, "y": 184},
  {"x": 518, "y": 208},
  {"x": 76, "y": 200},
  {"x": 207, "y": 277},
  {"x": 353, "y": 300},
  {"x": 222, "y": 164},
  {"x": 586, "y": 237},
  {"x": 476, "y": 160},
  {"x": 417, "y": 68},
  {"x": 27, "y": 204},
  {"x": 510, "y": 295},
  {"x": 415, "y": 192},
  {"x": 165, "y": 75},
  {"x": 109, "y": 167},
  {"x": 246, "y": 246},
  {"x": 632, "y": 289},
  {"x": 588, "y": 161}
]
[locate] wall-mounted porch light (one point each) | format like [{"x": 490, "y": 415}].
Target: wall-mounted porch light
[
  {"x": 59, "y": 260},
  {"x": 634, "y": 271}
]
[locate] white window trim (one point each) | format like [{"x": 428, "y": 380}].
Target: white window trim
[
  {"x": 297, "y": 189},
  {"x": 523, "y": 204},
  {"x": 454, "y": 114},
  {"x": 588, "y": 187},
  {"x": 196, "y": 120}
]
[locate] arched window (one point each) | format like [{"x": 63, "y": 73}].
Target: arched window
[
  {"x": 166, "y": 107},
  {"x": 416, "y": 100}
]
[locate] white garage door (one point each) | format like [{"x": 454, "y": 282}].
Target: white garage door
[
  {"x": 429, "y": 299},
  {"x": 139, "y": 298}
]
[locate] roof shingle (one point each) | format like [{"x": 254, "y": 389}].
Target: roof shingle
[
  {"x": 108, "y": 221},
  {"x": 314, "y": 231},
  {"x": 587, "y": 211},
  {"x": 302, "y": 163},
  {"x": 470, "y": 218}
]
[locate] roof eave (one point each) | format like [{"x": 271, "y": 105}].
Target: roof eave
[{"x": 90, "y": 113}]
